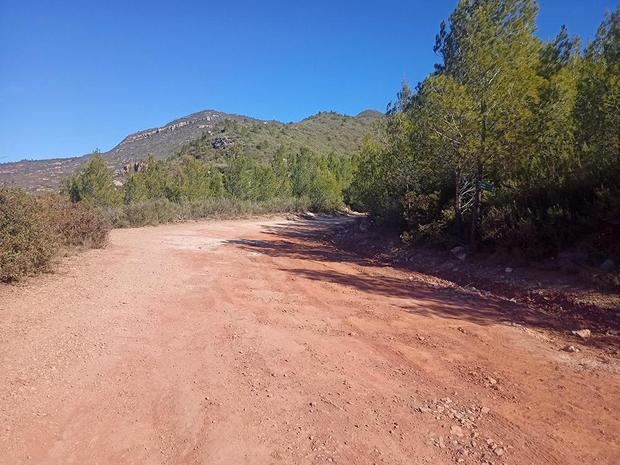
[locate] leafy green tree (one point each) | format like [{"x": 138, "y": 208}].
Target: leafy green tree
[
  {"x": 239, "y": 176},
  {"x": 369, "y": 189},
  {"x": 551, "y": 130},
  {"x": 598, "y": 101},
  {"x": 151, "y": 182},
  {"x": 387, "y": 166},
  {"x": 93, "y": 183},
  {"x": 312, "y": 179},
  {"x": 516, "y": 136},
  {"x": 490, "y": 49},
  {"x": 280, "y": 166},
  {"x": 448, "y": 118},
  {"x": 197, "y": 181},
  {"x": 248, "y": 180}
]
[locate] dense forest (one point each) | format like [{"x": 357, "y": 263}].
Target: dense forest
[{"x": 511, "y": 141}]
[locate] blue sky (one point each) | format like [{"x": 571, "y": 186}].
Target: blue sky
[{"x": 80, "y": 75}]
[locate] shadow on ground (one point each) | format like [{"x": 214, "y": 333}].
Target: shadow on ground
[{"x": 311, "y": 240}]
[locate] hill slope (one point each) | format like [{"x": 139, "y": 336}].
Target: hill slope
[{"x": 204, "y": 134}]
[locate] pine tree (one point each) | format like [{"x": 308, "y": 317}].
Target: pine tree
[
  {"x": 489, "y": 48},
  {"x": 93, "y": 183}
]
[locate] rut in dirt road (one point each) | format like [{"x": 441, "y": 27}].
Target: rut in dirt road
[{"x": 231, "y": 342}]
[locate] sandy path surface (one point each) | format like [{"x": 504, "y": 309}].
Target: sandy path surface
[{"x": 249, "y": 342}]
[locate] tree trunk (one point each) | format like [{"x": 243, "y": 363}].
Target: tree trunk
[
  {"x": 475, "y": 214},
  {"x": 458, "y": 204}
]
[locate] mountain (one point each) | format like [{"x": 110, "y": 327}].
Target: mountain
[{"x": 206, "y": 135}]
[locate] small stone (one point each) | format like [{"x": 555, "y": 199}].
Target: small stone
[
  {"x": 491, "y": 380},
  {"x": 485, "y": 410},
  {"x": 499, "y": 451},
  {"x": 456, "y": 431},
  {"x": 508, "y": 270},
  {"x": 570, "y": 349},
  {"x": 583, "y": 333}
]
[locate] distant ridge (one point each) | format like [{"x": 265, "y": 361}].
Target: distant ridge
[{"x": 199, "y": 134}]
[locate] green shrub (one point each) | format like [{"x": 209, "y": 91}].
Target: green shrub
[{"x": 93, "y": 183}]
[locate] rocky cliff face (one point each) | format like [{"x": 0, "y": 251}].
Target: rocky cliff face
[
  {"x": 207, "y": 118},
  {"x": 167, "y": 140}
]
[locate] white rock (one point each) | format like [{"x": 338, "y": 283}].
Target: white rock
[{"x": 583, "y": 333}]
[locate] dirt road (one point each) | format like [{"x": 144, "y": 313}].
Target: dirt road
[{"x": 249, "y": 342}]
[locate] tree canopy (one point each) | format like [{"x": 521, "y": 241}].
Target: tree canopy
[{"x": 510, "y": 140}]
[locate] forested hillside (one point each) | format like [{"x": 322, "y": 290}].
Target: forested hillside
[
  {"x": 208, "y": 135},
  {"x": 510, "y": 141},
  {"x": 325, "y": 132},
  {"x": 206, "y": 164}
]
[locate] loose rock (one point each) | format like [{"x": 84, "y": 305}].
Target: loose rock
[{"x": 583, "y": 333}]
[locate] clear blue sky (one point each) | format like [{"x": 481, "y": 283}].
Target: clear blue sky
[{"x": 80, "y": 75}]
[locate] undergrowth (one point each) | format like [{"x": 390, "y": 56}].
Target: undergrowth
[{"x": 36, "y": 228}]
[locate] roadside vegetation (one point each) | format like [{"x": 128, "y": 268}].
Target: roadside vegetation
[
  {"x": 34, "y": 229},
  {"x": 511, "y": 141},
  {"x": 184, "y": 187}
]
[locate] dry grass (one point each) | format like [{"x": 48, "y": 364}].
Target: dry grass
[
  {"x": 159, "y": 211},
  {"x": 34, "y": 229}
]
